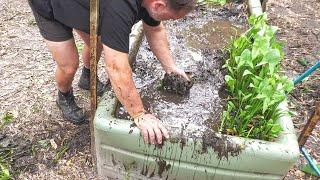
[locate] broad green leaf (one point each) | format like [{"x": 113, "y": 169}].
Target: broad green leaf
[
  {"x": 276, "y": 129},
  {"x": 246, "y": 57},
  {"x": 272, "y": 57},
  {"x": 246, "y": 72},
  {"x": 230, "y": 81},
  {"x": 247, "y": 97},
  {"x": 266, "y": 102},
  {"x": 260, "y": 47}
]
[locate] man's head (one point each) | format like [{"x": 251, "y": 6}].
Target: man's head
[{"x": 168, "y": 9}]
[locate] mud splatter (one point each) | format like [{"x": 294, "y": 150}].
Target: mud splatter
[
  {"x": 220, "y": 144},
  {"x": 114, "y": 163},
  {"x": 162, "y": 166}
]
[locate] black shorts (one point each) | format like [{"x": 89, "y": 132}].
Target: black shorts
[{"x": 51, "y": 29}]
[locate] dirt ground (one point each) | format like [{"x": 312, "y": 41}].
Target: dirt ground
[{"x": 44, "y": 146}]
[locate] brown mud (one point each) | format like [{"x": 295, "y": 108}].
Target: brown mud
[
  {"x": 220, "y": 144},
  {"x": 176, "y": 84}
]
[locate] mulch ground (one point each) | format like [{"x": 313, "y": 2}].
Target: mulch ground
[{"x": 44, "y": 146}]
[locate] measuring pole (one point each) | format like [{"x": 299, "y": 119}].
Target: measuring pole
[{"x": 94, "y": 19}]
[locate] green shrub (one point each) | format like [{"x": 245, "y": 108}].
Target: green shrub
[{"x": 254, "y": 85}]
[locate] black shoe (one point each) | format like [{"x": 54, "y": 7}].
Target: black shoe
[
  {"x": 84, "y": 82},
  {"x": 70, "y": 110}
]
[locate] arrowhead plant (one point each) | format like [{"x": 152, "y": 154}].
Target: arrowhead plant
[{"x": 255, "y": 87}]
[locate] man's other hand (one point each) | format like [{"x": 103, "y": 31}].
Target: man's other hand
[{"x": 151, "y": 128}]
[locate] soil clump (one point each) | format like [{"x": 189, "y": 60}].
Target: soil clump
[{"x": 176, "y": 84}]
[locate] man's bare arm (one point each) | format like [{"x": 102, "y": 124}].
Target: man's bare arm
[
  {"x": 120, "y": 75},
  {"x": 157, "y": 39}
]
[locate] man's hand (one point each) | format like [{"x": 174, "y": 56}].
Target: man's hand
[
  {"x": 178, "y": 71},
  {"x": 157, "y": 38},
  {"x": 152, "y": 128}
]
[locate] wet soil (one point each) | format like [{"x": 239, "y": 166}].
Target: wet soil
[
  {"x": 196, "y": 43},
  {"x": 176, "y": 84}
]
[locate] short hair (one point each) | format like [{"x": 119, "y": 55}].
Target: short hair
[{"x": 187, "y": 5}]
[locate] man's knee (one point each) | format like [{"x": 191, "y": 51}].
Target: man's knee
[{"x": 69, "y": 70}]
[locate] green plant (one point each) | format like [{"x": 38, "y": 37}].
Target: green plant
[
  {"x": 5, "y": 154},
  {"x": 5, "y": 160},
  {"x": 254, "y": 85},
  {"x": 4, "y": 173},
  {"x": 6, "y": 119}
]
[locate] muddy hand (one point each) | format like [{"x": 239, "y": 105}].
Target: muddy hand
[
  {"x": 180, "y": 72},
  {"x": 152, "y": 128}
]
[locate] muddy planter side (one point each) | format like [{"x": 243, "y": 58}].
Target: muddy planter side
[{"x": 121, "y": 153}]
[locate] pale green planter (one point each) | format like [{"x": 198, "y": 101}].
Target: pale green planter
[{"x": 122, "y": 154}]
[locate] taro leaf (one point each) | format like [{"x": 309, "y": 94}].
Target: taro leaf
[
  {"x": 260, "y": 96},
  {"x": 230, "y": 81},
  {"x": 247, "y": 97},
  {"x": 288, "y": 85},
  {"x": 276, "y": 129},
  {"x": 266, "y": 104},
  {"x": 246, "y": 57},
  {"x": 260, "y": 46},
  {"x": 254, "y": 20},
  {"x": 247, "y": 72},
  {"x": 247, "y": 107},
  {"x": 230, "y": 103},
  {"x": 271, "y": 58},
  {"x": 240, "y": 42},
  {"x": 238, "y": 61},
  {"x": 271, "y": 30},
  {"x": 252, "y": 85}
]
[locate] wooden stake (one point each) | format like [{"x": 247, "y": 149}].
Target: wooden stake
[
  {"x": 94, "y": 19},
  {"x": 311, "y": 124}
]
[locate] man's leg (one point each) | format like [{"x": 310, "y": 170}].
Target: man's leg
[
  {"x": 84, "y": 82},
  {"x": 66, "y": 55},
  {"x": 67, "y": 58},
  {"x": 59, "y": 39}
]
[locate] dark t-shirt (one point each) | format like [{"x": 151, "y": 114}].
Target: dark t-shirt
[{"x": 116, "y": 18}]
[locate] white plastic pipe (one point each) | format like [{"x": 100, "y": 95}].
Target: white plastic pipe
[
  {"x": 255, "y": 7},
  {"x": 135, "y": 40}
]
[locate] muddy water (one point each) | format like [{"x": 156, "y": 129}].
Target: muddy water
[{"x": 196, "y": 42}]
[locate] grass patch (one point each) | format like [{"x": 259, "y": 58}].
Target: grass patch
[
  {"x": 254, "y": 84},
  {"x": 4, "y": 173},
  {"x": 6, "y": 119},
  {"x": 5, "y": 153}
]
